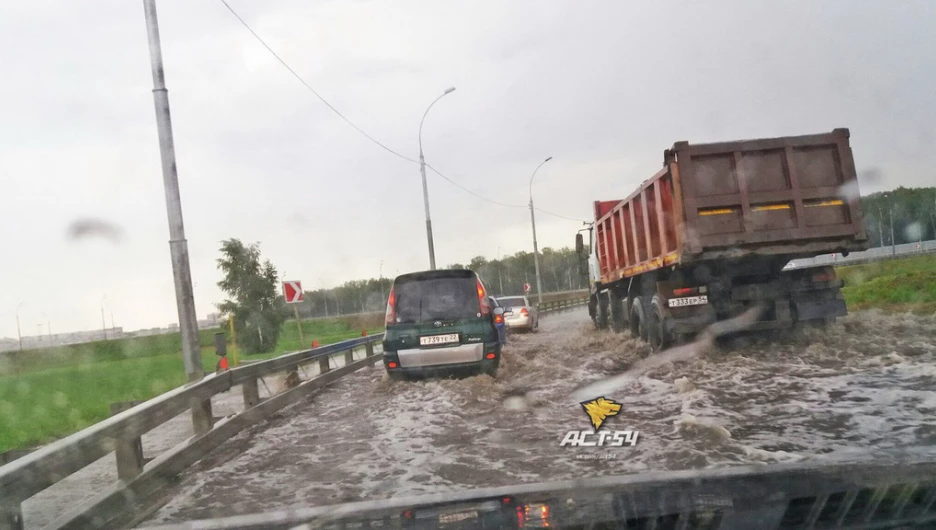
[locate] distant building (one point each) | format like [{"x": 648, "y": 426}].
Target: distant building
[
  {"x": 32, "y": 342},
  {"x": 213, "y": 321}
]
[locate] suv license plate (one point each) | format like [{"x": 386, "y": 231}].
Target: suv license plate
[
  {"x": 438, "y": 339},
  {"x": 688, "y": 300}
]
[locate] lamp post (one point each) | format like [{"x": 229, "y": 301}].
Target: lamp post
[
  {"x": 19, "y": 334},
  {"x": 422, "y": 170},
  {"x": 500, "y": 275},
  {"x": 383, "y": 289},
  {"x": 48, "y": 326},
  {"x": 103, "y": 322},
  {"x": 325, "y": 295},
  {"x": 890, "y": 215},
  {"x": 539, "y": 282}
]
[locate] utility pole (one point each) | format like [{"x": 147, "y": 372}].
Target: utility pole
[{"x": 185, "y": 298}]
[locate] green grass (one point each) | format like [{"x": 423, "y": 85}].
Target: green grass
[
  {"x": 899, "y": 285},
  {"x": 48, "y": 394}
]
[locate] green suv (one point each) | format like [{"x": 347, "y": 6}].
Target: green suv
[{"x": 440, "y": 321}]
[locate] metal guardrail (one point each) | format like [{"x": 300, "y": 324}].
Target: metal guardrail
[
  {"x": 905, "y": 250},
  {"x": 559, "y": 305},
  {"x": 120, "y": 434}
]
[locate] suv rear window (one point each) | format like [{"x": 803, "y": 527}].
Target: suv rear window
[
  {"x": 512, "y": 302},
  {"x": 430, "y": 298}
]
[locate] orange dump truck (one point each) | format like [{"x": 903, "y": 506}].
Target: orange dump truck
[{"x": 708, "y": 236}]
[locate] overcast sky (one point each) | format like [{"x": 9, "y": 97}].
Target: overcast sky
[{"x": 604, "y": 87}]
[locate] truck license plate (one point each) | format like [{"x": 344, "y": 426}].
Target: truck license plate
[
  {"x": 438, "y": 339},
  {"x": 688, "y": 300}
]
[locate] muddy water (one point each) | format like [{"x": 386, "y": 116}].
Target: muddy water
[{"x": 865, "y": 382}]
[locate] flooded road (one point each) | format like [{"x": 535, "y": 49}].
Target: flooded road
[{"x": 867, "y": 381}]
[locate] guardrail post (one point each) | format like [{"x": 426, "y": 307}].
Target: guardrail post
[
  {"x": 202, "y": 419},
  {"x": 251, "y": 392},
  {"x": 369, "y": 349},
  {"x": 129, "y": 450},
  {"x": 349, "y": 356},
  {"x": 11, "y": 515},
  {"x": 323, "y": 364},
  {"x": 292, "y": 376}
]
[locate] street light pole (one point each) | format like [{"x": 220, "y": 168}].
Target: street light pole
[
  {"x": 19, "y": 335},
  {"x": 178, "y": 246},
  {"x": 103, "y": 322},
  {"x": 325, "y": 295},
  {"x": 881, "y": 225},
  {"x": 500, "y": 272},
  {"x": 425, "y": 186},
  {"x": 383, "y": 289},
  {"x": 890, "y": 214},
  {"x": 48, "y": 326},
  {"x": 539, "y": 281}
]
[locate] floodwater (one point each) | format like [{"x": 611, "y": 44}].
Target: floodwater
[{"x": 865, "y": 382}]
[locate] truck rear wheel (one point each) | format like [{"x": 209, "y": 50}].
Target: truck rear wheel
[
  {"x": 638, "y": 320},
  {"x": 659, "y": 338},
  {"x": 603, "y": 303}
]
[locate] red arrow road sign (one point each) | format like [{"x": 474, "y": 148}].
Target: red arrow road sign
[
  {"x": 526, "y": 287},
  {"x": 292, "y": 292}
]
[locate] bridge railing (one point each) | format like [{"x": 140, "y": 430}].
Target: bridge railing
[{"x": 120, "y": 434}]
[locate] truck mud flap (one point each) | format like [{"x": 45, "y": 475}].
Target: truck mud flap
[{"x": 820, "y": 309}]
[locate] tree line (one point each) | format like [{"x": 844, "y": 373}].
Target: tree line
[
  {"x": 911, "y": 212},
  {"x": 504, "y": 276}
]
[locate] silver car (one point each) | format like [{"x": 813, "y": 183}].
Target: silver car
[{"x": 519, "y": 312}]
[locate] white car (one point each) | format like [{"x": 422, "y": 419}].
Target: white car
[{"x": 519, "y": 312}]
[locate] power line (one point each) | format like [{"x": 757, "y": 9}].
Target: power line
[
  {"x": 560, "y": 216},
  {"x": 437, "y": 172},
  {"x": 547, "y": 212},
  {"x": 362, "y": 131},
  {"x": 308, "y": 86}
]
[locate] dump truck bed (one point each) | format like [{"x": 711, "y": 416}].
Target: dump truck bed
[{"x": 786, "y": 197}]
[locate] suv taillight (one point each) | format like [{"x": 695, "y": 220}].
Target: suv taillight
[
  {"x": 483, "y": 299},
  {"x": 498, "y": 319},
  {"x": 391, "y": 308},
  {"x": 524, "y": 312}
]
